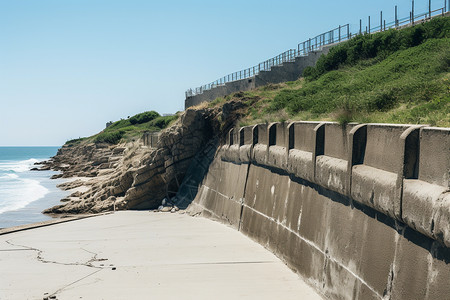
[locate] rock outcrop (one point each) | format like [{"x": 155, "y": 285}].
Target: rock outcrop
[{"x": 132, "y": 176}]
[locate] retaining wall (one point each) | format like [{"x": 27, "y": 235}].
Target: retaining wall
[
  {"x": 288, "y": 71},
  {"x": 360, "y": 211}
]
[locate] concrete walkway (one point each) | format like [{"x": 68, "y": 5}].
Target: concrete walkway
[{"x": 142, "y": 255}]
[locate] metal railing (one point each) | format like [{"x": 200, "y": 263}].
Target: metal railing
[{"x": 336, "y": 35}]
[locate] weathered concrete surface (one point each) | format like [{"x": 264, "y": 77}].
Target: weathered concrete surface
[
  {"x": 426, "y": 193},
  {"x": 348, "y": 233},
  {"x": 156, "y": 256}
]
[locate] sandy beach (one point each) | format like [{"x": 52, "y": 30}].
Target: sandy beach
[{"x": 142, "y": 255}]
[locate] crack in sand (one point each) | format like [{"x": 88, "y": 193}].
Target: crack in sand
[{"x": 40, "y": 258}]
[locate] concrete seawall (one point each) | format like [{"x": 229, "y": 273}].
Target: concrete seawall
[{"x": 361, "y": 211}]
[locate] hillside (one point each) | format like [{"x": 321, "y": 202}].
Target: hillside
[
  {"x": 128, "y": 129},
  {"x": 396, "y": 76}
]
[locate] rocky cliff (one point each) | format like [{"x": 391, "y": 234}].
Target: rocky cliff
[{"x": 131, "y": 175}]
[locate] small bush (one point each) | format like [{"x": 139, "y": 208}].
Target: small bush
[
  {"x": 119, "y": 124},
  {"x": 112, "y": 137},
  {"x": 144, "y": 117},
  {"x": 162, "y": 122},
  {"x": 383, "y": 101}
]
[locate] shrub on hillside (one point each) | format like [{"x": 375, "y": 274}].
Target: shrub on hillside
[
  {"x": 161, "y": 122},
  {"x": 111, "y": 137},
  {"x": 144, "y": 117}
]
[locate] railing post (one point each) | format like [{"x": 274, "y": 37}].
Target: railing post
[
  {"x": 348, "y": 31},
  {"x": 339, "y": 33},
  {"x": 396, "y": 19},
  {"x": 412, "y": 13},
  {"x": 429, "y": 9},
  {"x": 360, "y": 26},
  {"x": 369, "y": 24},
  {"x": 381, "y": 21}
]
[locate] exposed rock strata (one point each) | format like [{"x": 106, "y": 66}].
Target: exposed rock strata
[
  {"x": 129, "y": 176},
  {"x": 132, "y": 176}
]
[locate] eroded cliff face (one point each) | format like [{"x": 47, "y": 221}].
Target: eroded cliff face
[{"x": 132, "y": 176}]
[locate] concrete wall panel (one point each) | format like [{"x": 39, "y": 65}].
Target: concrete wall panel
[
  {"x": 434, "y": 158},
  {"x": 426, "y": 188},
  {"x": 302, "y": 145},
  {"x": 349, "y": 245},
  {"x": 246, "y": 135},
  {"x": 378, "y": 181},
  {"x": 278, "y": 143},
  {"x": 384, "y": 149},
  {"x": 304, "y": 135},
  {"x": 261, "y": 149},
  {"x": 331, "y": 170}
]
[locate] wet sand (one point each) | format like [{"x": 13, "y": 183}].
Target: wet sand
[{"x": 142, "y": 255}]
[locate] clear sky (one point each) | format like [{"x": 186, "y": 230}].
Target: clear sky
[{"x": 69, "y": 66}]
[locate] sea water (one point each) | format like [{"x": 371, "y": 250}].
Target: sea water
[{"x": 25, "y": 193}]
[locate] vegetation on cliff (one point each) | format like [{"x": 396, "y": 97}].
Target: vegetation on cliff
[
  {"x": 128, "y": 129},
  {"x": 396, "y": 76}
]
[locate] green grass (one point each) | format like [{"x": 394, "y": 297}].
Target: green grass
[
  {"x": 397, "y": 76},
  {"x": 75, "y": 141},
  {"x": 129, "y": 129}
]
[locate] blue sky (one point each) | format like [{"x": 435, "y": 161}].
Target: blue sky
[{"x": 69, "y": 66}]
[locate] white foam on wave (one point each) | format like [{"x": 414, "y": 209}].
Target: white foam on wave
[
  {"x": 18, "y": 193},
  {"x": 9, "y": 176},
  {"x": 17, "y": 166}
]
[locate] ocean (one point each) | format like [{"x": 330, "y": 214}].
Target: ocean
[{"x": 24, "y": 193}]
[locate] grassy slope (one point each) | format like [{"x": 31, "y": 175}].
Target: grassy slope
[
  {"x": 398, "y": 76},
  {"x": 128, "y": 129}
]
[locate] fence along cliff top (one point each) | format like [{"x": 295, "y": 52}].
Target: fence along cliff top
[{"x": 336, "y": 35}]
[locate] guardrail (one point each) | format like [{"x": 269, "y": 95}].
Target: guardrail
[{"x": 336, "y": 35}]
